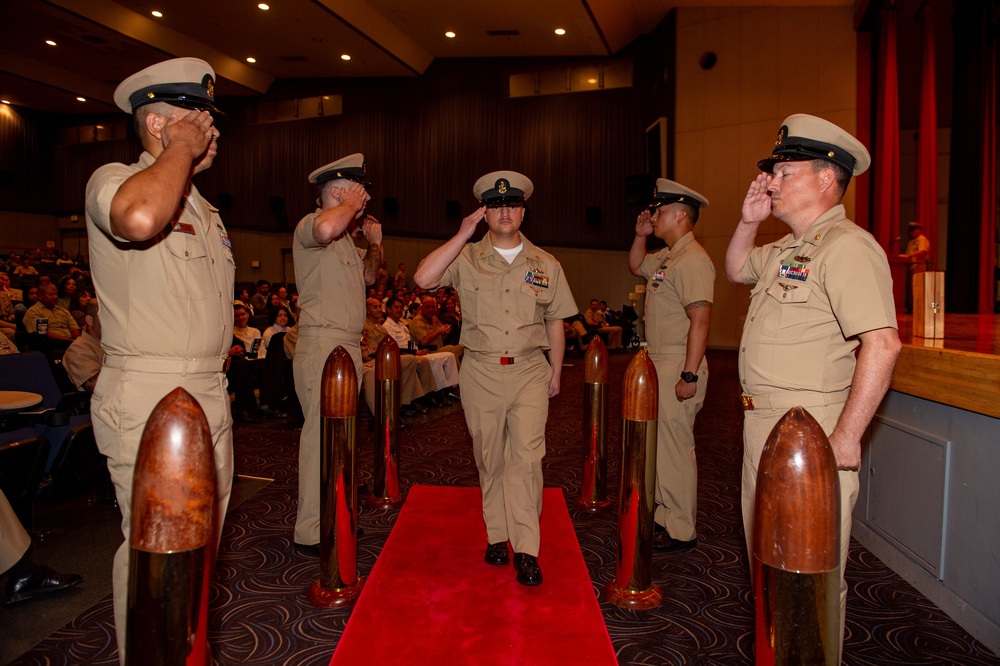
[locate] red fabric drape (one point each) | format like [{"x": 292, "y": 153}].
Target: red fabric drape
[
  {"x": 988, "y": 246},
  {"x": 886, "y": 158},
  {"x": 927, "y": 166}
]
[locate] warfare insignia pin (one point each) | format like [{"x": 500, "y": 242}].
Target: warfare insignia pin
[{"x": 802, "y": 259}]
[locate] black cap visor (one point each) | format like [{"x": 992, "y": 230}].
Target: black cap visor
[{"x": 798, "y": 149}]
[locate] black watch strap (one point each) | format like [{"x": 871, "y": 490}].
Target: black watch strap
[{"x": 689, "y": 377}]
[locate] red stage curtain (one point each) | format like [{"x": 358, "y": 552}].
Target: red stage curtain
[
  {"x": 886, "y": 157},
  {"x": 988, "y": 244},
  {"x": 927, "y": 166}
]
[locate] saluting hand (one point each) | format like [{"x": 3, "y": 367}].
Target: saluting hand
[
  {"x": 470, "y": 223},
  {"x": 354, "y": 196},
  {"x": 372, "y": 230},
  {"x": 644, "y": 224},
  {"x": 757, "y": 204},
  {"x": 193, "y": 131}
]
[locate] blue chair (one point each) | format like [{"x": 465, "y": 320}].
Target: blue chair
[
  {"x": 58, "y": 413},
  {"x": 22, "y": 463}
]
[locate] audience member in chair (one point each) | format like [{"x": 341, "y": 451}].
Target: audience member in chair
[
  {"x": 243, "y": 374},
  {"x": 25, "y": 579},
  {"x": 416, "y": 377},
  {"x": 8, "y": 326},
  {"x": 429, "y": 331},
  {"x": 84, "y": 357},
  {"x": 259, "y": 300},
  {"x": 597, "y": 323},
  {"x": 61, "y": 328},
  {"x": 448, "y": 375}
]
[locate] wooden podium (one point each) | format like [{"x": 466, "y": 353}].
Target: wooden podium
[{"x": 928, "y": 304}]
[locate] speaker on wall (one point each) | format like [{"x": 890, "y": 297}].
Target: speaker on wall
[{"x": 593, "y": 215}]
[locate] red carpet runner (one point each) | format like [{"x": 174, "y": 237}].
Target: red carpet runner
[{"x": 431, "y": 599}]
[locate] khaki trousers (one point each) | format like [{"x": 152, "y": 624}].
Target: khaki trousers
[
  {"x": 506, "y": 407},
  {"x": 14, "y": 541},
  {"x": 123, "y": 400},
  {"x": 676, "y": 467},
  {"x": 311, "y": 352},
  {"x": 757, "y": 425}
]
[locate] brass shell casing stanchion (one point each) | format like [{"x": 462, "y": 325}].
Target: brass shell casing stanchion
[
  {"x": 171, "y": 537},
  {"x": 633, "y": 586},
  {"x": 339, "y": 583},
  {"x": 386, "y": 493},
  {"x": 796, "y": 546},
  {"x": 594, "y": 488}
]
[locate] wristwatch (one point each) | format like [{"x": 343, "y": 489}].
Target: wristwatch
[{"x": 689, "y": 377}]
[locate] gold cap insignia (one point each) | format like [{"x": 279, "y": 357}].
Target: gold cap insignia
[
  {"x": 502, "y": 186},
  {"x": 209, "y": 85},
  {"x": 150, "y": 95},
  {"x": 781, "y": 135}
]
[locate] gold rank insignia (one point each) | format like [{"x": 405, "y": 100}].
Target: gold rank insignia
[
  {"x": 502, "y": 186},
  {"x": 817, "y": 236},
  {"x": 781, "y": 135},
  {"x": 209, "y": 86}
]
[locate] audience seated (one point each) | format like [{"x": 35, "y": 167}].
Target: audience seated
[
  {"x": 242, "y": 297},
  {"x": 416, "y": 376},
  {"x": 60, "y": 327},
  {"x": 577, "y": 336},
  {"x": 444, "y": 362},
  {"x": 597, "y": 323},
  {"x": 82, "y": 360},
  {"x": 276, "y": 382},
  {"x": 243, "y": 373},
  {"x": 259, "y": 300}
]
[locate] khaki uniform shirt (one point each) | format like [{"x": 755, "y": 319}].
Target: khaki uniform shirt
[
  {"x": 812, "y": 296},
  {"x": 676, "y": 277},
  {"x": 330, "y": 280},
  {"x": 370, "y": 339},
  {"x": 505, "y": 306},
  {"x": 419, "y": 327},
  {"x": 83, "y": 359},
  {"x": 169, "y": 296},
  {"x": 61, "y": 322}
]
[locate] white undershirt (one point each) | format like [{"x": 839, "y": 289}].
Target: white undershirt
[{"x": 510, "y": 254}]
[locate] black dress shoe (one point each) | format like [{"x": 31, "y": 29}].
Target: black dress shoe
[
  {"x": 308, "y": 551},
  {"x": 664, "y": 543},
  {"x": 432, "y": 400},
  {"x": 247, "y": 416},
  {"x": 408, "y": 411},
  {"x": 496, "y": 553},
  {"x": 528, "y": 571},
  {"x": 452, "y": 394},
  {"x": 404, "y": 424},
  {"x": 42, "y": 580}
]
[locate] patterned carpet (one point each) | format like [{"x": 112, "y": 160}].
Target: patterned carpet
[{"x": 260, "y": 614}]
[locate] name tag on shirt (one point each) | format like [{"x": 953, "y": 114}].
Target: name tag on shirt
[{"x": 184, "y": 228}]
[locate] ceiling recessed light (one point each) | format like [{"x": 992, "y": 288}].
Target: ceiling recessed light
[
  {"x": 251, "y": 60},
  {"x": 592, "y": 81},
  {"x": 264, "y": 6},
  {"x": 449, "y": 35},
  {"x": 157, "y": 13},
  {"x": 4, "y": 101},
  {"x": 560, "y": 31},
  {"x": 50, "y": 42},
  {"x": 345, "y": 57},
  {"x": 81, "y": 99},
  {"x": 99, "y": 126}
]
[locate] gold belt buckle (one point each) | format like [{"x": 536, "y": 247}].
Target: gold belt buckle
[{"x": 747, "y": 402}]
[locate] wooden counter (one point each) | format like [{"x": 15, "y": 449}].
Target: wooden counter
[{"x": 962, "y": 369}]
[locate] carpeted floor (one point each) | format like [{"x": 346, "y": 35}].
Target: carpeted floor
[{"x": 260, "y": 614}]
